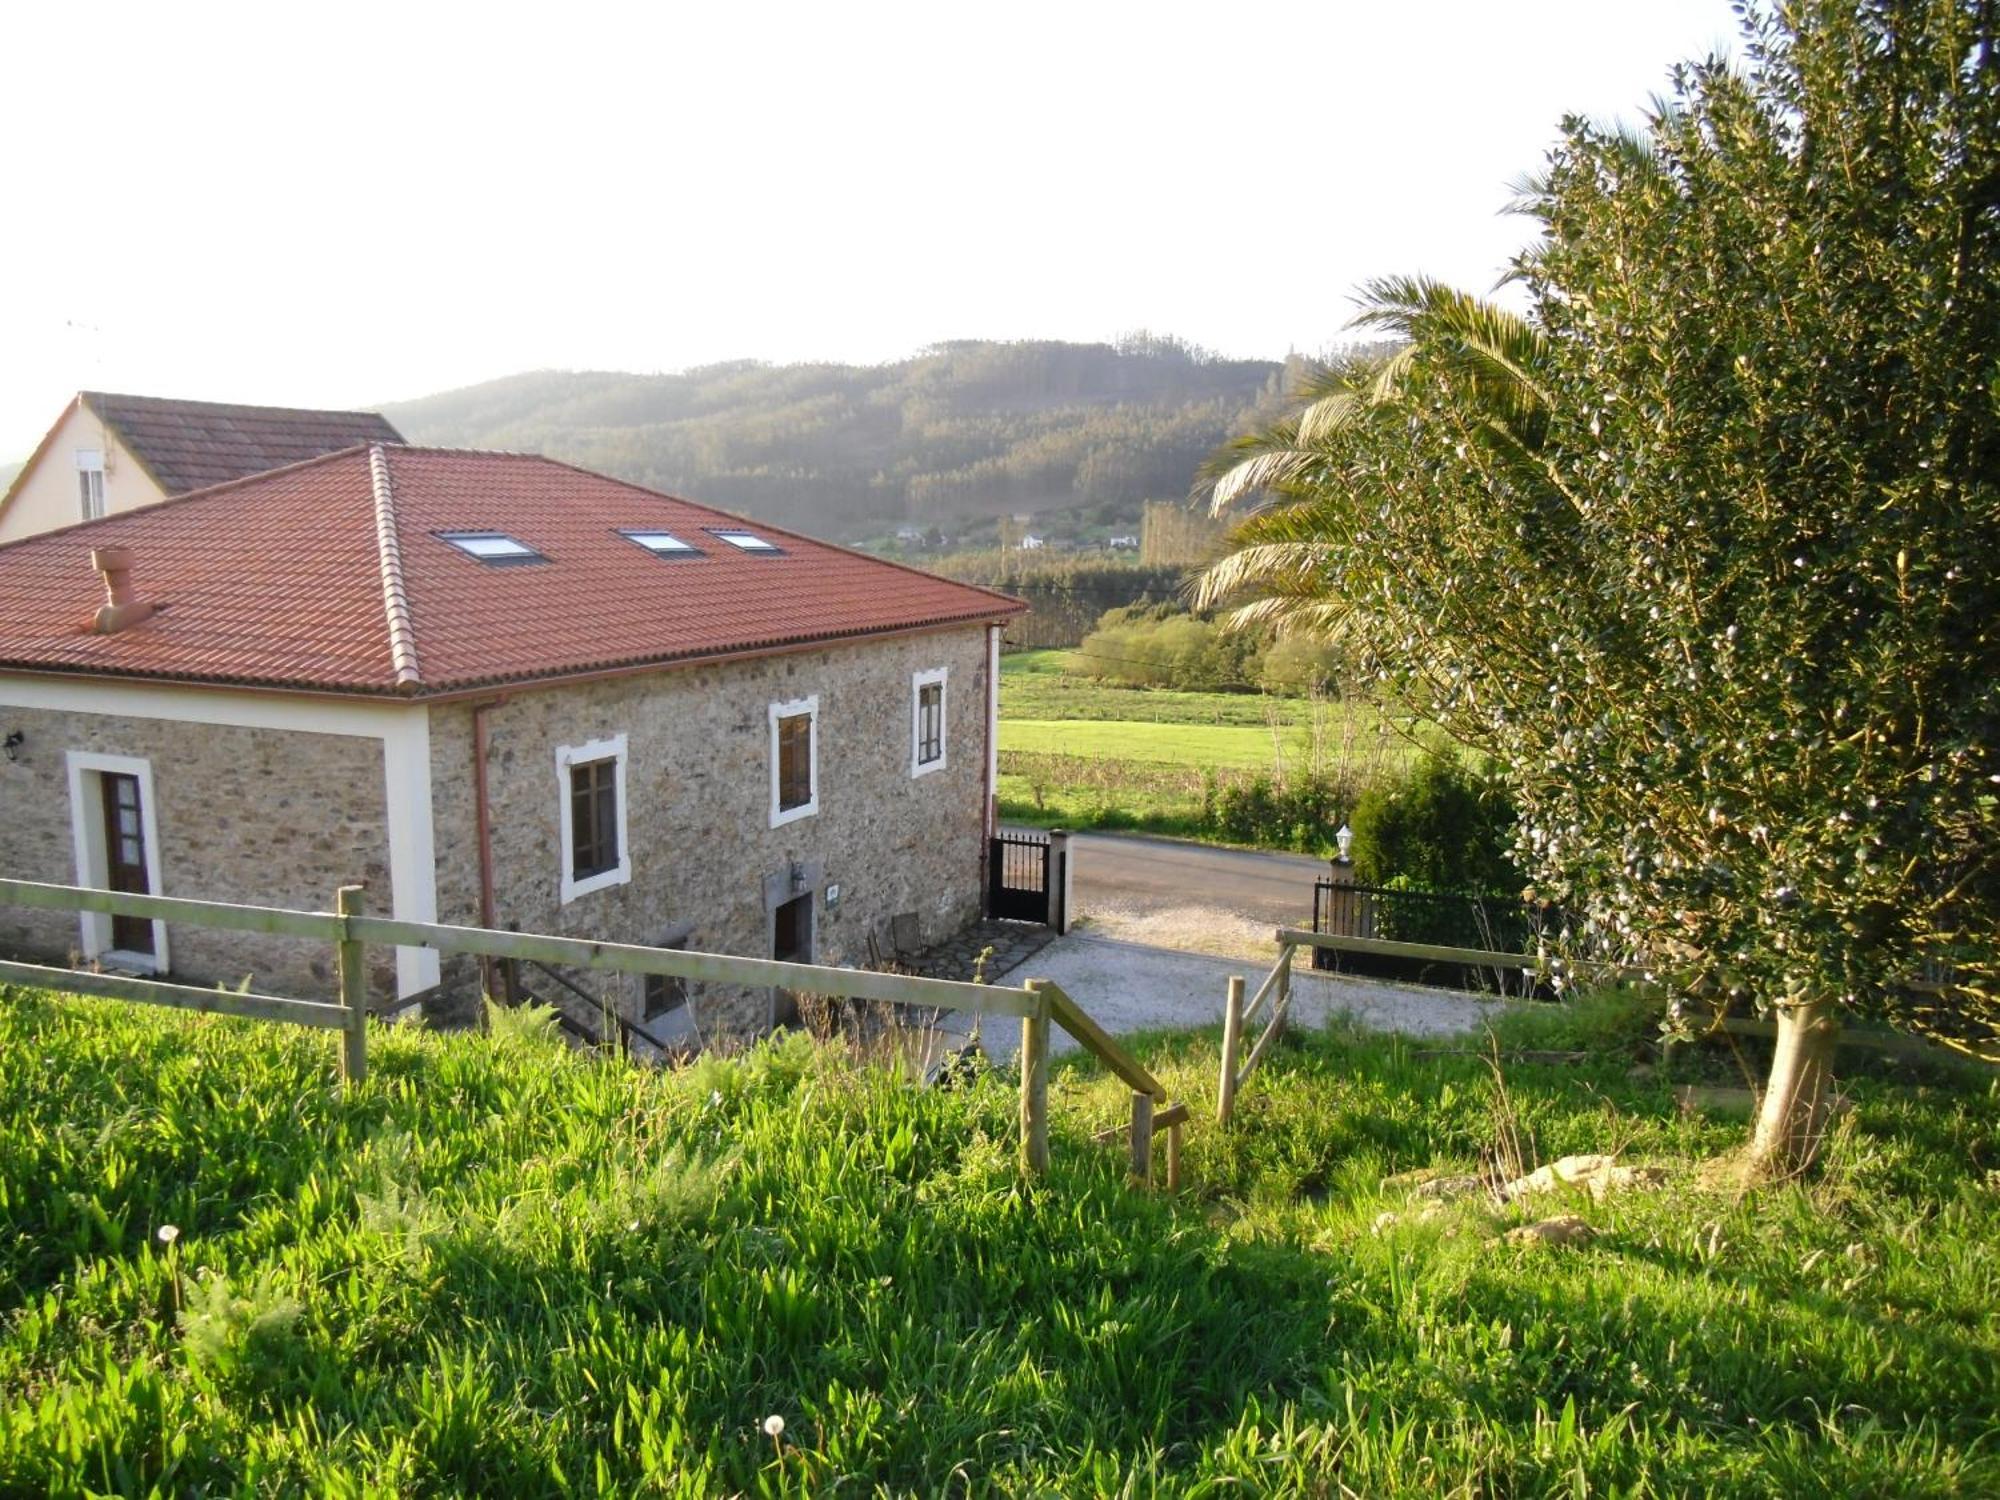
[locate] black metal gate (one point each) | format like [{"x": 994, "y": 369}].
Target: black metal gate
[{"x": 1022, "y": 879}]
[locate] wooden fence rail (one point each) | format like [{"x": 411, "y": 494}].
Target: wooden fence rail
[{"x": 351, "y": 931}]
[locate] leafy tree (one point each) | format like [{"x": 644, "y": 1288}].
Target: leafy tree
[{"x": 1701, "y": 550}]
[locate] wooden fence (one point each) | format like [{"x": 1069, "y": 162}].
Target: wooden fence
[
  {"x": 350, "y": 932},
  {"x": 1277, "y": 987}
]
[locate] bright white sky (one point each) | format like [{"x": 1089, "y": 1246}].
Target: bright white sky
[{"x": 340, "y": 205}]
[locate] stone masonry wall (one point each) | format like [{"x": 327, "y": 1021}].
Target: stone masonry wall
[
  {"x": 705, "y": 861},
  {"x": 261, "y": 816}
]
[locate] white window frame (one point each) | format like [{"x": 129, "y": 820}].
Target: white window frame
[
  {"x": 810, "y": 708},
  {"x": 937, "y": 676},
  {"x": 93, "y": 865},
  {"x": 90, "y": 461},
  {"x": 567, "y": 757}
]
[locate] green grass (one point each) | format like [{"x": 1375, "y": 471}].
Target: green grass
[
  {"x": 1174, "y": 744},
  {"x": 503, "y": 1268},
  {"x": 1051, "y": 685}
]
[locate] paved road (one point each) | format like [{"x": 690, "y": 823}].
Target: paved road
[{"x": 1270, "y": 888}]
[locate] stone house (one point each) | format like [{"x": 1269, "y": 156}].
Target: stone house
[
  {"x": 497, "y": 690},
  {"x": 108, "y": 453}
]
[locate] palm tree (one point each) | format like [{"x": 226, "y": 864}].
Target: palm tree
[{"x": 1320, "y": 491}]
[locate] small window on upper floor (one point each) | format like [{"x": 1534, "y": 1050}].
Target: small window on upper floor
[
  {"x": 746, "y": 541},
  {"x": 90, "y": 482},
  {"x": 927, "y": 722},
  {"x": 794, "y": 760},
  {"x": 592, "y": 816},
  {"x": 662, "y": 543},
  {"x": 492, "y": 546}
]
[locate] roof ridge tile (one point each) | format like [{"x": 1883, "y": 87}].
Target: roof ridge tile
[{"x": 395, "y": 597}]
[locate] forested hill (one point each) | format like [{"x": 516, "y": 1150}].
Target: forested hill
[{"x": 959, "y": 432}]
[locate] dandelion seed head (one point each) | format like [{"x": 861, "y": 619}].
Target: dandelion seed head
[
  {"x": 168, "y": 1233},
  {"x": 774, "y": 1426}
]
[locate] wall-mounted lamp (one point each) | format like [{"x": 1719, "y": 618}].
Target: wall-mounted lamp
[
  {"x": 1344, "y": 838},
  {"x": 12, "y": 744}
]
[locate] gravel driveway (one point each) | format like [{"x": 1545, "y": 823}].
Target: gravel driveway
[{"x": 1127, "y": 987}]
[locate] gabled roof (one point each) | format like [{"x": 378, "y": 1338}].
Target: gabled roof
[
  {"x": 189, "y": 445},
  {"x": 335, "y": 575}
]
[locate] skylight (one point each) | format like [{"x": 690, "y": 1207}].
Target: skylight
[
  {"x": 491, "y": 546},
  {"x": 662, "y": 543},
  {"x": 744, "y": 541}
]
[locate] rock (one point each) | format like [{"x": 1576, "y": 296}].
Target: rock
[
  {"x": 1616, "y": 1179},
  {"x": 1570, "y": 1171},
  {"x": 1597, "y": 1175},
  {"x": 1640, "y": 1072},
  {"x": 1564, "y": 1229},
  {"x": 1456, "y": 1186},
  {"x": 1414, "y": 1178},
  {"x": 1385, "y": 1220}
]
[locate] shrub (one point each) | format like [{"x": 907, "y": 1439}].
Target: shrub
[
  {"x": 1159, "y": 646},
  {"x": 1295, "y": 665},
  {"x": 1301, "y": 812},
  {"x": 1440, "y": 827}
]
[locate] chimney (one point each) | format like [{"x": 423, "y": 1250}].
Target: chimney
[{"x": 122, "y": 606}]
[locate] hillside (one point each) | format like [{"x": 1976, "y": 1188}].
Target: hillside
[
  {"x": 504, "y": 1268},
  {"x": 957, "y": 433}
]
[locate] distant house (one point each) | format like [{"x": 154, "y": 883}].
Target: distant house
[
  {"x": 1032, "y": 543},
  {"x": 107, "y": 454},
  {"x": 1128, "y": 542},
  {"x": 496, "y": 689}
]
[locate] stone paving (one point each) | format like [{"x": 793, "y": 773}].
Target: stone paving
[{"x": 1013, "y": 944}]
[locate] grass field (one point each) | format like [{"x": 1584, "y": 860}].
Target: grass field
[
  {"x": 1172, "y": 744},
  {"x": 503, "y": 1268},
  {"x": 1051, "y": 685},
  {"x": 1076, "y": 753}
]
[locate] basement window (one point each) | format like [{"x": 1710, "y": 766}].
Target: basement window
[
  {"x": 492, "y": 546},
  {"x": 746, "y": 541},
  {"x": 662, "y": 543}
]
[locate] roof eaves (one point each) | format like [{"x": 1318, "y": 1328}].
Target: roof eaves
[{"x": 395, "y": 597}]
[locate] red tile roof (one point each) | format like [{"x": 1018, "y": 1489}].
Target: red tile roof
[
  {"x": 332, "y": 575},
  {"x": 190, "y": 445}
]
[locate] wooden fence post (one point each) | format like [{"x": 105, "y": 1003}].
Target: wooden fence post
[
  {"x": 1142, "y": 1138},
  {"x": 1232, "y": 1043},
  {"x": 352, "y": 963},
  {"x": 1284, "y": 995},
  {"x": 1035, "y": 1085}
]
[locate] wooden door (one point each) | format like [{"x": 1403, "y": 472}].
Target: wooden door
[
  {"x": 125, "y": 857},
  {"x": 792, "y": 943}
]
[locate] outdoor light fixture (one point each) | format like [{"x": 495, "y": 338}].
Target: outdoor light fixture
[
  {"x": 1344, "y": 838},
  {"x": 12, "y": 744}
]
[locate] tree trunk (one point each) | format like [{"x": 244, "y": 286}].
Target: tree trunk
[{"x": 1799, "y": 1096}]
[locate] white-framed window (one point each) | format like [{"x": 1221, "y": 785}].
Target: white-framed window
[
  {"x": 927, "y": 721},
  {"x": 590, "y": 782},
  {"x": 116, "y": 830},
  {"x": 794, "y": 760},
  {"x": 90, "y": 482}
]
